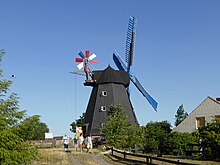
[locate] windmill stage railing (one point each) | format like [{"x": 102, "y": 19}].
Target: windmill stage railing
[{"x": 148, "y": 159}]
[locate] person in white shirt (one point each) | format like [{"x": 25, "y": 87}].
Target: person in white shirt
[
  {"x": 65, "y": 142},
  {"x": 81, "y": 140},
  {"x": 89, "y": 143}
]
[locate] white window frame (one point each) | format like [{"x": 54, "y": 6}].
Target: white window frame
[
  {"x": 103, "y": 108},
  {"x": 104, "y": 93}
]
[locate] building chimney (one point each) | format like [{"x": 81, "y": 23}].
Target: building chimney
[{"x": 218, "y": 99}]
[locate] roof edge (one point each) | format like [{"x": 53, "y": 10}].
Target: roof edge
[{"x": 213, "y": 100}]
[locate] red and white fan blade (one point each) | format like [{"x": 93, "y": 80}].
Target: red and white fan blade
[
  {"x": 94, "y": 61},
  {"x": 80, "y": 66},
  {"x": 92, "y": 57},
  {"x": 79, "y": 60}
]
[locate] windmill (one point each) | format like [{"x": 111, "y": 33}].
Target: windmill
[
  {"x": 125, "y": 66},
  {"x": 111, "y": 87},
  {"x": 108, "y": 89}
]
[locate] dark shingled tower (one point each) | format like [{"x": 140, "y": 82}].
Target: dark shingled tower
[{"x": 109, "y": 88}]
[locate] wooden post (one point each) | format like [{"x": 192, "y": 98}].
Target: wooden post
[
  {"x": 147, "y": 160},
  {"x": 150, "y": 159},
  {"x": 112, "y": 150},
  {"x": 124, "y": 155},
  {"x": 53, "y": 143}
]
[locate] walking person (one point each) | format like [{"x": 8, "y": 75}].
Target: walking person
[
  {"x": 89, "y": 143},
  {"x": 81, "y": 140},
  {"x": 75, "y": 142},
  {"x": 65, "y": 142}
]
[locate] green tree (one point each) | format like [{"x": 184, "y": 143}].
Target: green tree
[
  {"x": 179, "y": 142},
  {"x": 209, "y": 136},
  {"x": 180, "y": 115},
  {"x": 141, "y": 133},
  {"x": 77, "y": 123},
  {"x": 155, "y": 136},
  {"x": 13, "y": 149},
  {"x": 118, "y": 131},
  {"x": 32, "y": 128}
]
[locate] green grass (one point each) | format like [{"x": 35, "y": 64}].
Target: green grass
[{"x": 56, "y": 156}]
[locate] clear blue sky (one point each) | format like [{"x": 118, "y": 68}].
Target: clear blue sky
[{"x": 177, "y": 53}]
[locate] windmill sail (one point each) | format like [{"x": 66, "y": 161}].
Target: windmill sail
[
  {"x": 129, "y": 49},
  {"x": 119, "y": 62},
  {"x": 129, "y": 53},
  {"x": 150, "y": 99},
  {"x": 121, "y": 66}
]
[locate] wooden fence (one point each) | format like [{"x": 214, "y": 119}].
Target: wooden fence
[
  {"x": 148, "y": 159},
  {"x": 44, "y": 143}
]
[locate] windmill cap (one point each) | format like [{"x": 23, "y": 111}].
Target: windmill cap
[{"x": 109, "y": 75}]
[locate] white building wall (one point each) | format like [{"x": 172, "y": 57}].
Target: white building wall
[{"x": 209, "y": 108}]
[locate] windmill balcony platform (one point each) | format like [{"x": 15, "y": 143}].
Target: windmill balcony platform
[{"x": 89, "y": 82}]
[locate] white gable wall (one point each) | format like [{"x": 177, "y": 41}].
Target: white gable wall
[{"x": 209, "y": 108}]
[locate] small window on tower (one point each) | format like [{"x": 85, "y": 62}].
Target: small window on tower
[
  {"x": 104, "y": 93},
  {"x": 103, "y": 108}
]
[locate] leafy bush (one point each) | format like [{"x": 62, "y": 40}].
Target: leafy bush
[
  {"x": 118, "y": 131},
  {"x": 13, "y": 148},
  {"x": 179, "y": 142},
  {"x": 209, "y": 136},
  {"x": 156, "y": 134},
  {"x": 32, "y": 129}
]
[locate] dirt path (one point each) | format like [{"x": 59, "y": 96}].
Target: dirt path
[
  {"x": 73, "y": 160},
  {"x": 77, "y": 158},
  {"x": 57, "y": 156},
  {"x": 99, "y": 160}
]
